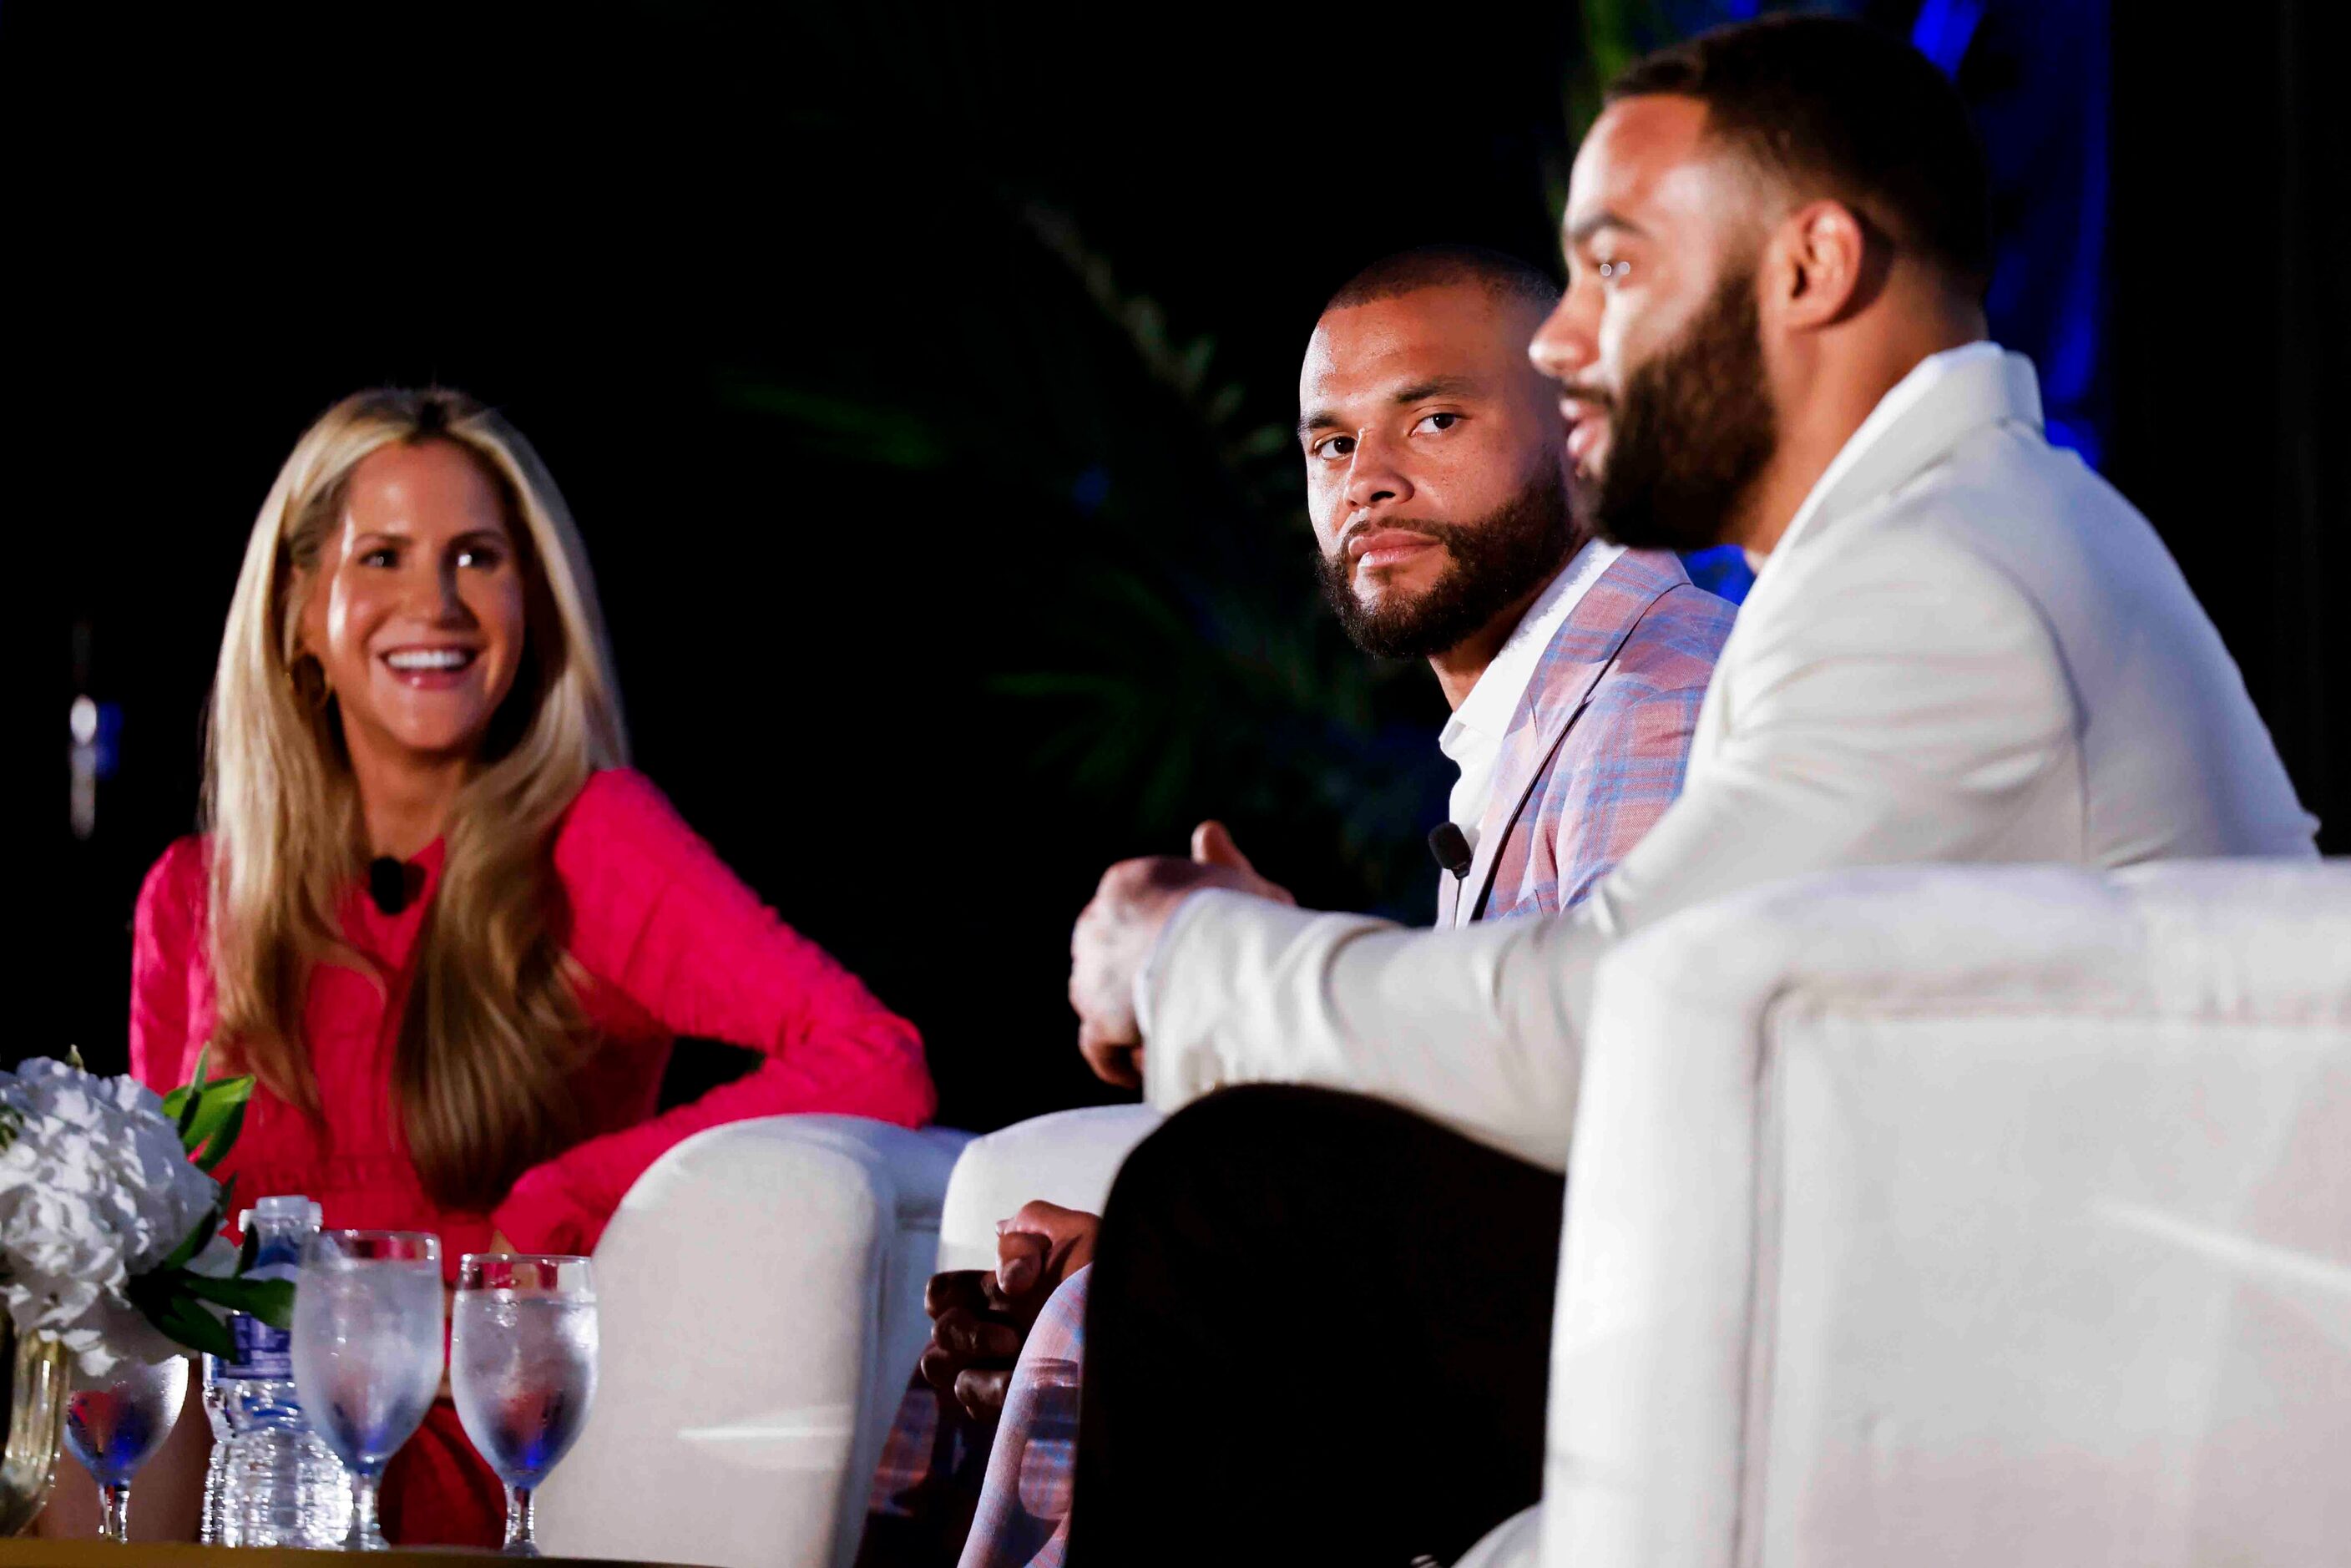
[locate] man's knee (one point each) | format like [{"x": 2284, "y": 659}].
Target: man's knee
[
  {"x": 1254, "y": 1113},
  {"x": 1259, "y": 1155},
  {"x": 1241, "y": 1128}
]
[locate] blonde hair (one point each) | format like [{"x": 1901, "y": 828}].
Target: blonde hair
[{"x": 492, "y": 1026}]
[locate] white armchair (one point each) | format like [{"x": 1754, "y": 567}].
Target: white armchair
[
  {"x": 760, "y": 1296},
  {"x": 1963, "y": 1215}
]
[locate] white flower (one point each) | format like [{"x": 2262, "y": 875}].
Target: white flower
[{"x": 95, "y": 1191}]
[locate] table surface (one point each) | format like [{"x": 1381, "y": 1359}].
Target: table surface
[{"x": 162, "y": 1554}]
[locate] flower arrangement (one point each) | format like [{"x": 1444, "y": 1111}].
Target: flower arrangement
[{"x": 110, "y": 1218}]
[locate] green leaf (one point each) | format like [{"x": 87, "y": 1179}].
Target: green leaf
[
  {"x": 215, "y": 1107},
  {"x": 206, "y": 1117},
  {"x": 1194, "y": 364},
  {"x": 193, "y": 1242},
  {"x": 181, "y": 1320},
  {"x": 73, "y": 1059},
  {"x": 188, "y": 1099},
  {"x": 161, "y": 1297},
  {"x": 224, "y": 1140},
  {"x": 271, "y": 1301}
]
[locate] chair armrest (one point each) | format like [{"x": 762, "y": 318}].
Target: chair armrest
[
  {"x": 1516, "y": 1542},
  {"x": 760, "y": 1298},
  {"x": 1068, "y": 1157}
]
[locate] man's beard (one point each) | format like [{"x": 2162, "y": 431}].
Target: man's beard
[
  {"x": 1693, "y": 429},
  {"x": 1495, "y": 563}
]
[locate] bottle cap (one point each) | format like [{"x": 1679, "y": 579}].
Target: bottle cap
[{"x": 284, "y": 1207}]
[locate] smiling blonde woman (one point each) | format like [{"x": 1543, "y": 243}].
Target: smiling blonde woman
[{"x": 436, "y": 914}]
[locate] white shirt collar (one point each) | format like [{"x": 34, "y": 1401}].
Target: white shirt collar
[
  {"x": 1472, "y": 738},
  {"x": 1900, "y": 398}
]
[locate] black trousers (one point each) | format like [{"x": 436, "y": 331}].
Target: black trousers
[{"x": 1318, "y": 1331}]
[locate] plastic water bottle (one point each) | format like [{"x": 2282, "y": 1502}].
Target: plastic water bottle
[
  {"x": 278, "y": 1484},
  {"x": 208, "y": 1527}
]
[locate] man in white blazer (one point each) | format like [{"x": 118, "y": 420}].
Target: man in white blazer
[{"x": 1962, "y": 644}]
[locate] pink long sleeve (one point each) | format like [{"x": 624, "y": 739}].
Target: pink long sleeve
[
  {"x": 659, "y": 919},
  {"x": 165, "y": 969}
]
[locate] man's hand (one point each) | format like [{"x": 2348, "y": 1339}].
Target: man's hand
[
  {"x": 979, "y": 1319},
  {"x": 1042, "y": 1246},
  {"x": 1213, "y": 846},
  {"x": 1117, "y": 930}
]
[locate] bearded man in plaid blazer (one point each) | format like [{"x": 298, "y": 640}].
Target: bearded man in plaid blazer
[{"x": 1437, "y": 472}]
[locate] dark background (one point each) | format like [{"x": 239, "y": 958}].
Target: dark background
[{"x": 921, "y": 381}]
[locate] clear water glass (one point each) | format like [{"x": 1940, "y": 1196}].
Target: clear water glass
[
  {"x": 114, "y": 1425},
  {"x": 367, "y": 1352},
  {"x": 522, "y": 1365}
]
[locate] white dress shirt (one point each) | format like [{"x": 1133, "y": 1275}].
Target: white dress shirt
[{"x": 1472, "y": 737}]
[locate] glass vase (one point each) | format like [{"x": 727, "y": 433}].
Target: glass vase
[{"x": 38, "y": 1383}]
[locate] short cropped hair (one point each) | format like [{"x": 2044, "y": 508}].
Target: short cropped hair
[
  {"x": 1845, "y": 109},
  {"x": 1441, "y": 265}
]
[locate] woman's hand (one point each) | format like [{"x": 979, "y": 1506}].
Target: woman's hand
[{"x": 980, "y": 1319}]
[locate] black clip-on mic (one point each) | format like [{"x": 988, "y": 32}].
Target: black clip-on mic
[
  {"x": 390, "y": 883},
  {"x": 1450, "y": 845}
]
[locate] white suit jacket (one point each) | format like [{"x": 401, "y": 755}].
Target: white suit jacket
[{"x": 1967, "y": 647}]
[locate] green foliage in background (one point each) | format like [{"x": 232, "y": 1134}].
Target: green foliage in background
[
  {"x": 1172, "y": 659},
  {"x": 1155, "y": 651}
]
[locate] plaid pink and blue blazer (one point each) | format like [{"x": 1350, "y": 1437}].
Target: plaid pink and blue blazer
[
  {"x": 1593, "y": 757},
  {"x": 1598, "y": 745}
]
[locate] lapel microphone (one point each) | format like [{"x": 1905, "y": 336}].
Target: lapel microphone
[
  {"x": 388, "y": 883},
  {"x": 1450, "y": 845}
]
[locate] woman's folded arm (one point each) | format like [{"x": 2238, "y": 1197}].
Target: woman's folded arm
[{"x": 659, "y": 917}]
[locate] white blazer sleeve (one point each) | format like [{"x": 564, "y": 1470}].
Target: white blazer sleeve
[{"x": 1908, "y": 705}]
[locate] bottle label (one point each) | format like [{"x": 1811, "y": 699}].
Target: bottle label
[{"x": 262, "y": 1352}]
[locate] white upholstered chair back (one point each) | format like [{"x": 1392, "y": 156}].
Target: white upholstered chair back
[
  {"x": 1965, "y": 1216},
  {"x": 760, "y": 1297}
]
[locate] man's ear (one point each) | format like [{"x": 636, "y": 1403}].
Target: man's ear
[{"x": 1824, "y": 265}]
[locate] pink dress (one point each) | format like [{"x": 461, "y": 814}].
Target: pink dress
[{"x": 671, "y": 944}]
